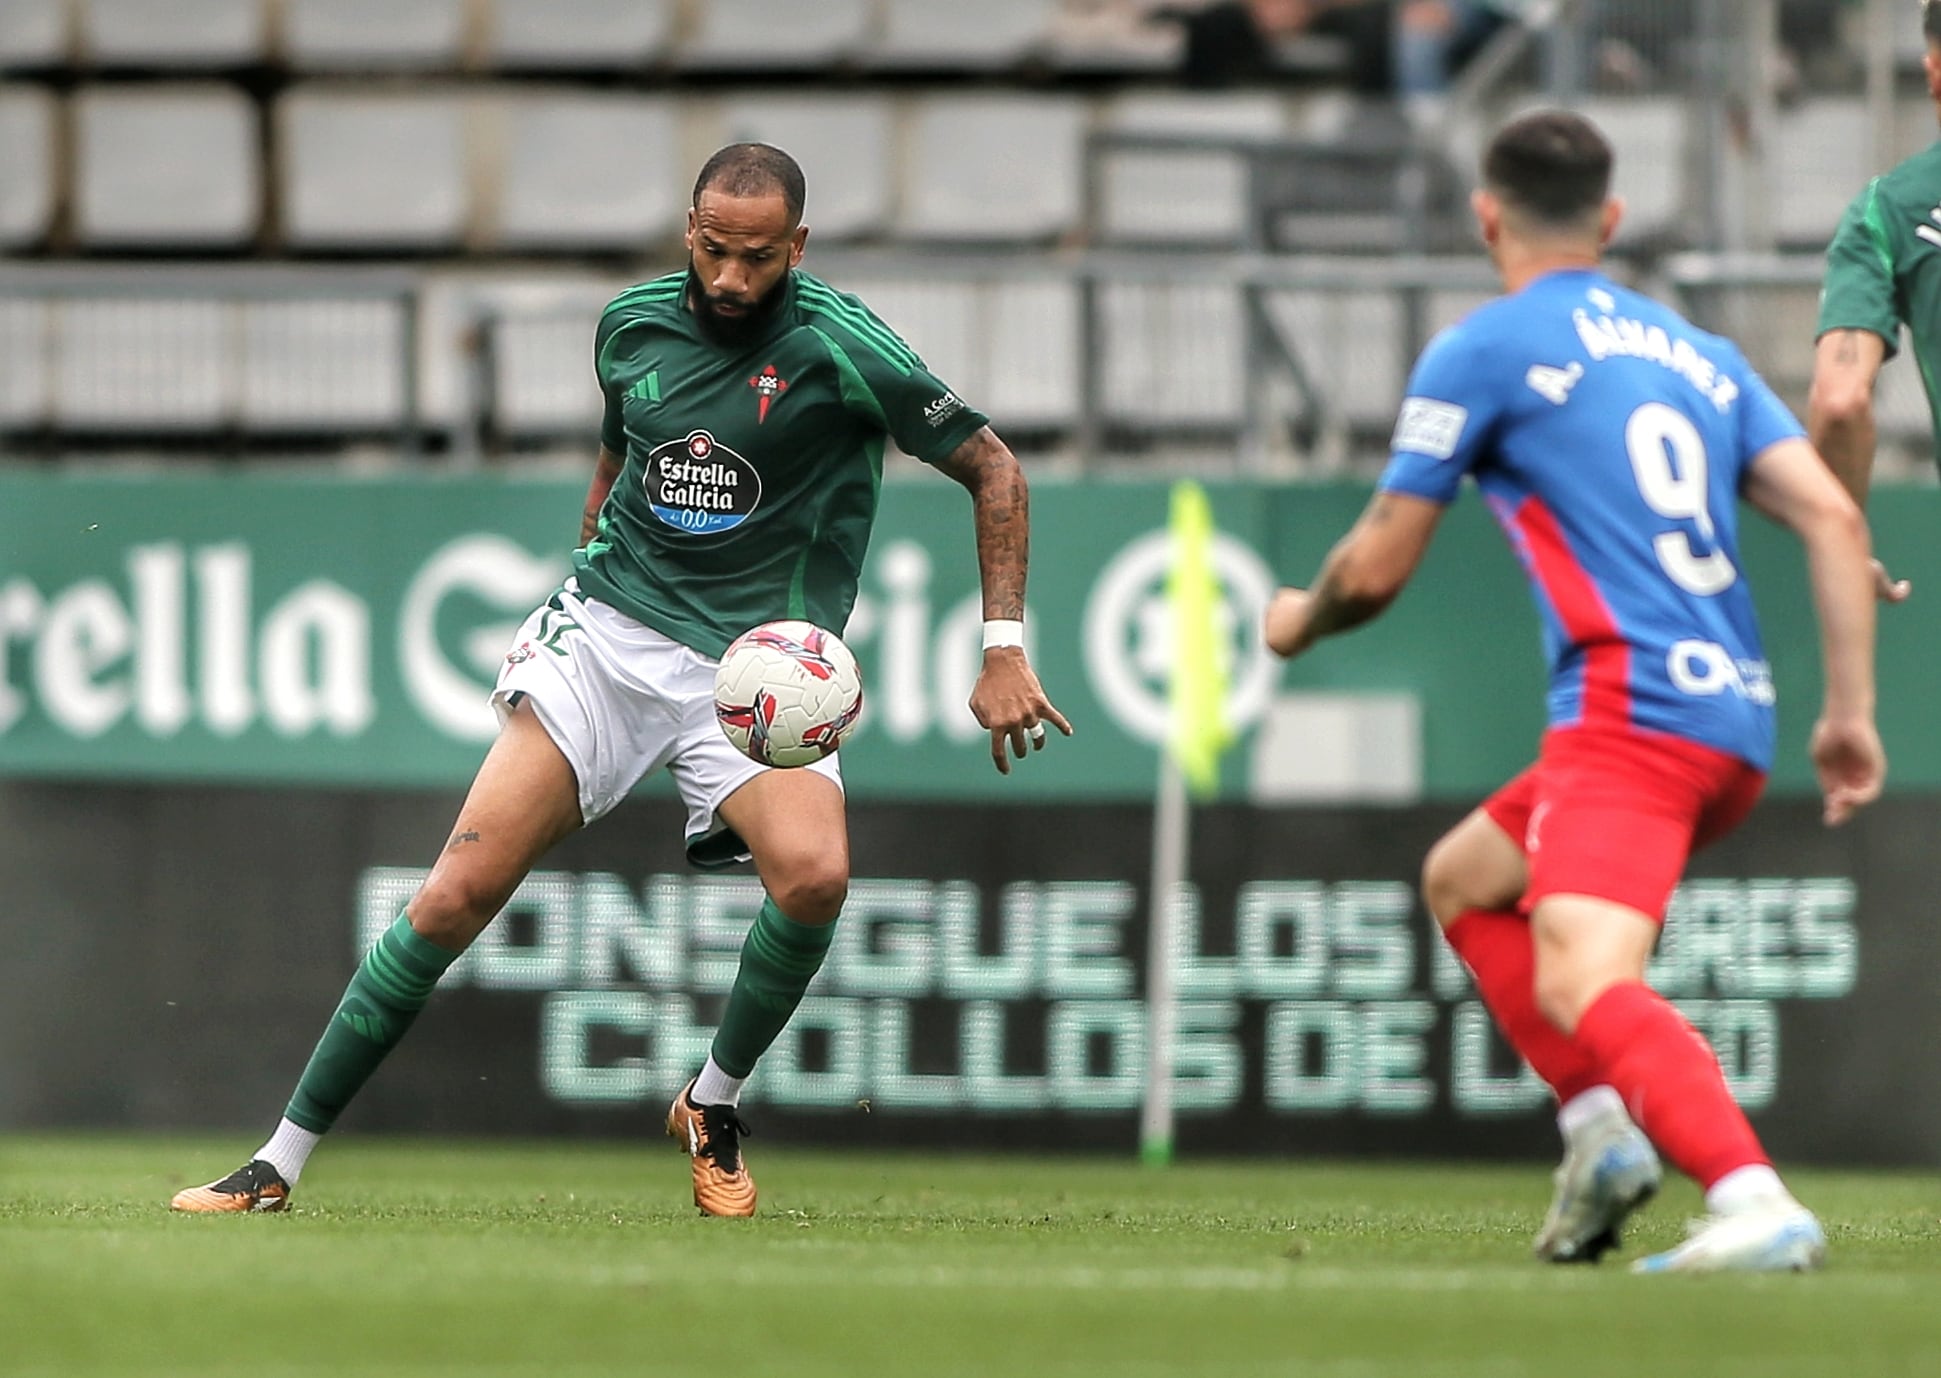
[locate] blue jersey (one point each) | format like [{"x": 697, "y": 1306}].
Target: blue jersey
[{"x": 1611, "y": 439}]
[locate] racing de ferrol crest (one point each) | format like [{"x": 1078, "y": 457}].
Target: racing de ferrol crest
[{"x": 770, "y": 385}]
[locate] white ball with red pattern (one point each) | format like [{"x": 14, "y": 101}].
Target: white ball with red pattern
[{"x": 788, "y": 693}]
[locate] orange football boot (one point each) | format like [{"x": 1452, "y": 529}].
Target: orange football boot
[
  {"x": 711, "y": 1134},
  {"x": 255, "y": 1186}
]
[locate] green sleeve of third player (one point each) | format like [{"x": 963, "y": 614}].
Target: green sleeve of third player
[{"x": 1859, "y": 287}]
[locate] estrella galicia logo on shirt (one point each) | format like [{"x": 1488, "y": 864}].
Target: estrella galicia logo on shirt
[{"x": 700, "y": 486}]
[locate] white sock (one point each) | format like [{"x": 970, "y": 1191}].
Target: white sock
[
  {"x": 1590, "y": 1107},
  {"x": 288, "y": 1150},
  {"x": 1747, "y": 1188},
  {"x": 716, "y": 1087}
]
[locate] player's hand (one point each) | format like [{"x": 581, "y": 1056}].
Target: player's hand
[
  {"x": 1010, "y": 702},
  {"x": 1285, "y": 627},
  {"x": 1850, "y": 763},
  {"x": 1887, "y": 588}
]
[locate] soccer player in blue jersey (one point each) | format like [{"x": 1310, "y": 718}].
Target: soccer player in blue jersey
[{"x": 1612, "y": 441}]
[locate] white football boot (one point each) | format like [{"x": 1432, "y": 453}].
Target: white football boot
[
  {"x": 1772, "y": 1237},
  {"x": 1609, "y": 1170}
]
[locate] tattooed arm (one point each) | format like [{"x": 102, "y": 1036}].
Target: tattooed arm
[
  {"x": 1008, "y": 699},
  {"x": 1840, "y": 422},
  {"x": 1360, "y": 577},
  {"x": 604, "y": 473},
  {"x": 1840, "y": 411}
]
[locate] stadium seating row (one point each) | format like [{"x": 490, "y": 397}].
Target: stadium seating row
[
  {"x": 335, "y": 354},
  {"x": 592, "y": 35},
  {"x": 513, "y": 169},
  {"x": 329, "y": 353}
]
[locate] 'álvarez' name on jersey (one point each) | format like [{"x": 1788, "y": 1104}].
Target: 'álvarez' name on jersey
[
  {"x": 750, "y": 475},
  {"x": 1610, "y": 438}
]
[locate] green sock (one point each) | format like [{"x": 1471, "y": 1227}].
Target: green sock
[
  {"x": 390, "y": 987},
  {"x": 778, "y": 959}
]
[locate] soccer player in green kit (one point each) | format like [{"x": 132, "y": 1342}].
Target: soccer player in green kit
[
  {"x": 1883, "y": 271},
  {"x": 747, "y": 409}
]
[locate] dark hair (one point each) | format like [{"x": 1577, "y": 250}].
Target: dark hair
[
  {"x": 754, "y": 170},
  {"x": 1552, "y": 165},
  {"x": 1931, "y": 20}
]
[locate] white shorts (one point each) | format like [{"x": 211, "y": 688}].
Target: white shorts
[{"x": 620, "y": 699}]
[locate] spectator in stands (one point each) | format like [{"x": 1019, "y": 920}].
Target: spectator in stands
[{"x": 1409, "y": 47}]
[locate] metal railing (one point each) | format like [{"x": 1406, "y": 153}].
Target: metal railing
[{"x": 1245, "y": 362}]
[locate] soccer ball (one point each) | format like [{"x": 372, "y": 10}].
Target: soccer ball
[{"x": 787, "y": 693}]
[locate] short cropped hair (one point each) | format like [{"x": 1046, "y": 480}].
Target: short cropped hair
[
  {"x": 754, "y": 170},
  {"x": 1552, "y": 165},
  {"x": 1931, "y": 20}
]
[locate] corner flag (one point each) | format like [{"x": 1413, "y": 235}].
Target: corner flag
[{"x": 1197, "y": 730}]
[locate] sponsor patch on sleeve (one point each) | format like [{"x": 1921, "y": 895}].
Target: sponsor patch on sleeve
[
  {"x": 941, "y": 410},
  {"x": 1429, "y": 427}
]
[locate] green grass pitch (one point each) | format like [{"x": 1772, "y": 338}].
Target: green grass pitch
[{"x": 558, "y": 1261}]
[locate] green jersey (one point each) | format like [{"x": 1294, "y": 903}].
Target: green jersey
[
  {"x": 1883, "y": 269},
  {"x": 750, "y": 474}
]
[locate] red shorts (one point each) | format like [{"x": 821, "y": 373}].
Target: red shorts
[{"x": 1614, "y": 815}]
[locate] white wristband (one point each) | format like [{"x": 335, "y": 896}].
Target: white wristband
[{"x": 1002, "y": 631}]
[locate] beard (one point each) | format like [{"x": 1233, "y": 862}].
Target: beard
[{"x": 733, "y": 331}]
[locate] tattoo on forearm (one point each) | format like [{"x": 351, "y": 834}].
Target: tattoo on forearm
[
  {"x": 460, "y": 839},
  {"x": 1333, "y": 611},
  {"x": 1001, "y": 503}
]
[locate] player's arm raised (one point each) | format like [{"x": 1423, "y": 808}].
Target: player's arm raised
[
  {"x": 1362, "y": 575},
  {"x": 1789, "y": 483},
  {"x": 605, "y": 470},
  {"x": 1007, "y": 698}
]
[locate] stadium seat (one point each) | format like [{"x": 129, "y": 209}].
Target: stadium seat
[
  {"x": 373, "y": 35},
  {"x": 1819, "y": 165},
  {"x": 367, "y": 171},
  {"x": 1186, "y": 195},
  {"x": 541, "y": 366},
  {"x": 1351, "y": 347},
  {"x": 23, "y": 364},
  {"x": 26, "y": 165},
  {"x": 322, "y": 365},
  {"x": 589, "y": 171},
  {"x": 1174, "y": 355},
  {"x": 148, "y": 363},
  {"x": 993, "y": 168},
  {"x": 181, "y": 33},
  {"x": 845, "y": 147},
  {"x": 953, "y": 35},
  {"x": 1648, "y": 135},
  {"x": 762, "y": 35},
  {"x": 592, "y": 34},
  {"x": 165, "y": 166},
  {"x": 1031, "y": 342},
  {"x": 33, "y": 33}
]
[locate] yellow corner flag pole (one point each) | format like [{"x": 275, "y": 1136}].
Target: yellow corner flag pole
[{"x": 1197, "y": 732}]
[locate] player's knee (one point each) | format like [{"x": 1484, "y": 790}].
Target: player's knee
[
  {"x": 452, "y": 910},
  {"x": 1443, "y": 883},
  {"x": 1560, "y": 993},
  {"x": 810, "y": 889}
]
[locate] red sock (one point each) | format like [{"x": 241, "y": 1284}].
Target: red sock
[
  {"x": 1670, "y": 1080},
  {"x": 1502, "y": 956}
]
